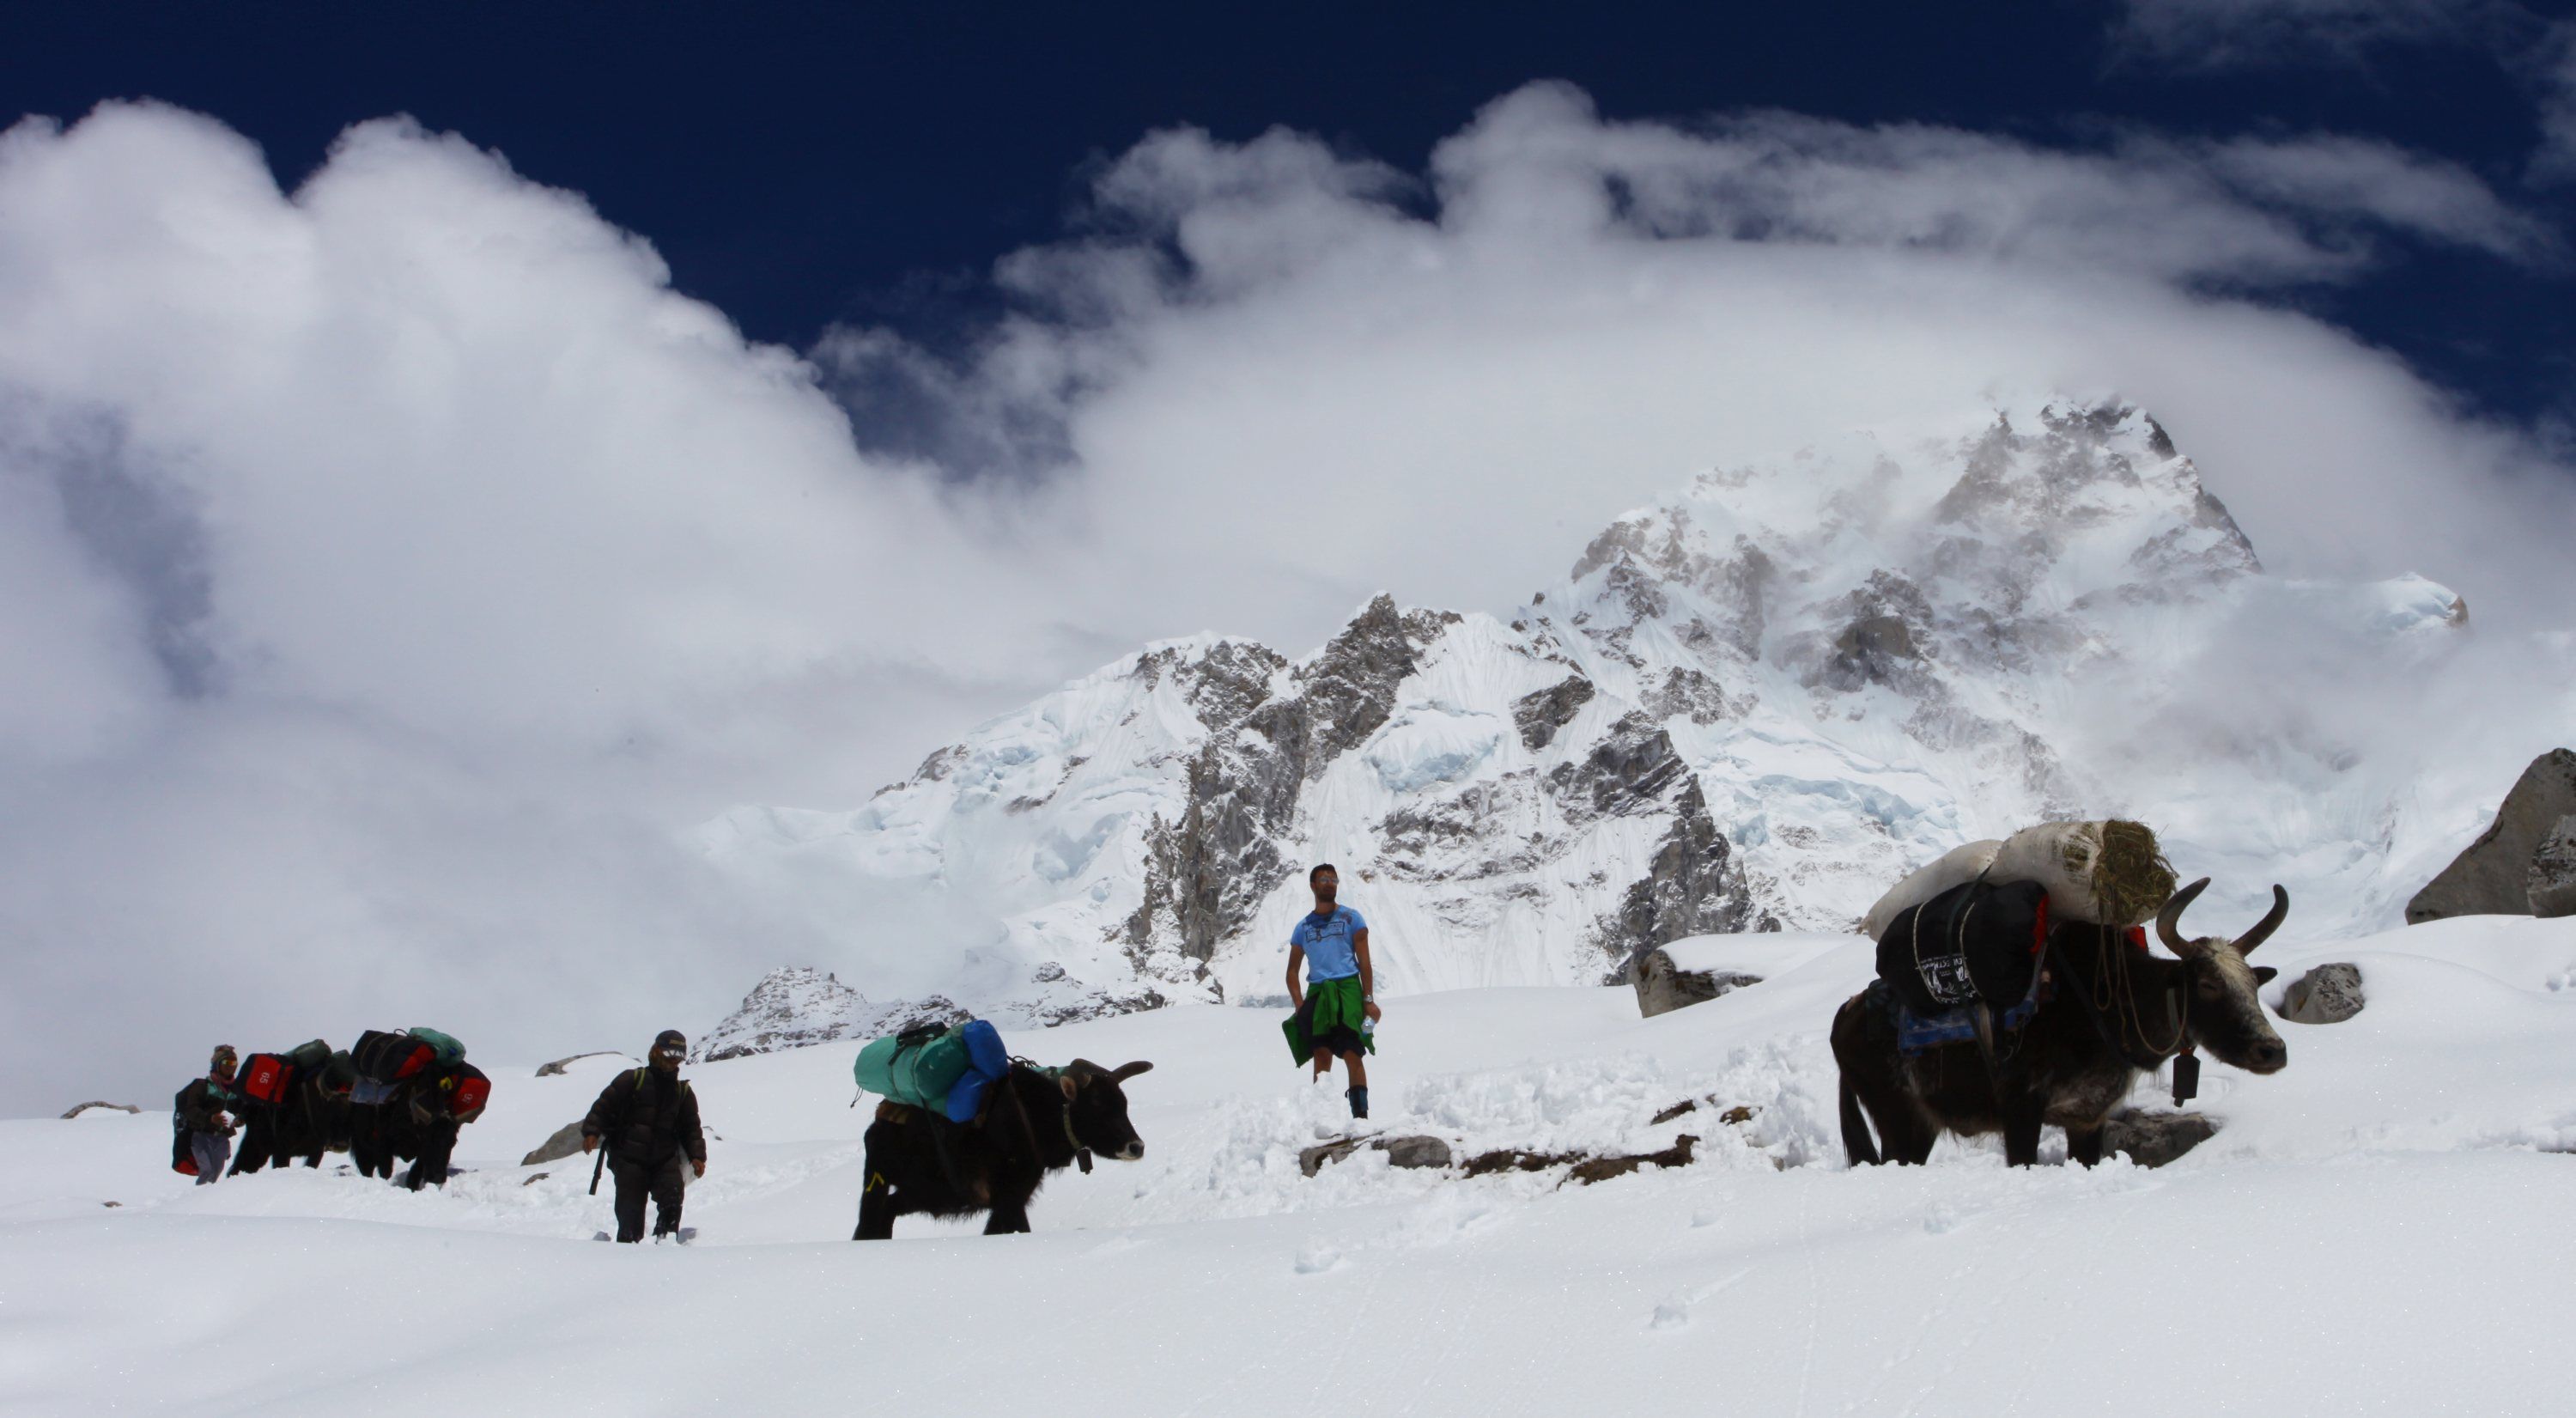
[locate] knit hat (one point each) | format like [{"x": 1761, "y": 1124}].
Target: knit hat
[{"x": 224, "y": 1059}]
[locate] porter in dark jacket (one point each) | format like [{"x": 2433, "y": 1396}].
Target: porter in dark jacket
[
  {"x": 202, "y": 1118},
  {"x": 649, "y": 1119}
]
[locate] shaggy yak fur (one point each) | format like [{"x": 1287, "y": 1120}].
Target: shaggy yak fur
[
  {"x": 414, "y": 1126},
  {"x": 2112, "y": 1016},
  {"x": 310, "y": 1121},
  {"x": 1032, "y": 1125}
]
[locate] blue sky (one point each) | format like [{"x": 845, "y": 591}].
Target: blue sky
[{"x": 801, "y": 164}]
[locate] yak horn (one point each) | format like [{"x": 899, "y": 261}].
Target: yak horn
[
  {"x": 2169, "y": 920},
  {"x": 2271, "y": 922},
  {"x": 1127, "y": 1071}
]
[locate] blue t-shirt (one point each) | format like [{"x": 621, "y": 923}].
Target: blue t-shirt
[{"x": 1327, "y": 943}]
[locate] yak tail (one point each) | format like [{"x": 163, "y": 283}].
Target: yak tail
[{"x": 1857, "y": 1143}]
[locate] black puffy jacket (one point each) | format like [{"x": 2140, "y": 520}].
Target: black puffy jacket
[{"x": 645, "y": 1115}]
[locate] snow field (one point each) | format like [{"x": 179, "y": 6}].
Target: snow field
[{"x": 2379, "y": 1228}]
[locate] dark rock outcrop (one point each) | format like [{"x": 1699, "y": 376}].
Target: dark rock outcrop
[
  {"x": 2328, "y": 994},
  {"x": 557, "y": 1068},
  {"x": 111, "y": 1107},
  {"x": 565, "y": 1142},
  {"x": 2550, "y": 885},
  {"x": 1419, "y": 1151},
  {"x": 2154, "y": 1139},
  {"x": 1542, "y": 713},
  {"x": 1663, "y": 987},
  {"x": 2493, "y": 876}
]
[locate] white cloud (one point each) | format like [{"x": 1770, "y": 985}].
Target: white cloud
[{"x": 398, "y": 566}]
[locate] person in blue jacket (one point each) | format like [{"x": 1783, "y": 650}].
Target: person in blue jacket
[{"x": 1336, "y": 1002}]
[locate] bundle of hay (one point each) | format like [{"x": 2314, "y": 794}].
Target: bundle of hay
[{"x": 2109, "y": 873}]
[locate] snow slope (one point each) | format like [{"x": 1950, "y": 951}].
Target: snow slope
[
  {"x": 1755, "y": 704},
  {"x": 2375, "y": 1229}
]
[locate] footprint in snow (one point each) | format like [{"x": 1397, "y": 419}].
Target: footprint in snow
[
  {"x": 1674, "y": 1313},
  {"x": 1315, "y": 1258}
]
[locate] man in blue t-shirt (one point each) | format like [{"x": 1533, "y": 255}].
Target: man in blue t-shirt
[{"x": 1339, "y": 990}]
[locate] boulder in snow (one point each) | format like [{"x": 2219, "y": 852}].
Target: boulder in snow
[
  {"x": 2550, "y": 885},
  {"x": 2154, "y": 1139},
  {"x": 2328, "y": 994},
  {"x": 558, "y": 1067},
  {"x": 1663, "y": 986},
  {"x": 2493, "y": 876},
  {"x": 1419, "y": 1151},
  {"x": 565, "y": 1142}
]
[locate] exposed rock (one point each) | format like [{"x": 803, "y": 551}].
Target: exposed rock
[
  {"x": 1663, "y": 986},
  {"x": 2328, "y": 994},
  {"x": 2550, "y": 886},
  {"x": 2493, "y": 876},
  {"x": 565, "y": 1142},
  {"x": 1418, "y": 1151},
  {"x": 1415, "y": 1151},
  {"x": 1732, "y": 1117},
  {"x": 1542, "y": 713},
  {"x": 2154, "y": 1139},
  {"x": 533, "y": 1178},
  {"x": 556, "y": 1069},
  {"x": 112, "y": 1107},
  {"x": 1602, "y": 1169},
  {"x": 1586, "y": 1168},
  {"x": 1691, "y": 887}
]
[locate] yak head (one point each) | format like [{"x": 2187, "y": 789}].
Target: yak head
[
  {"x": 2220, "y": 1002},
  {"x": 1096, "y": 1108}
]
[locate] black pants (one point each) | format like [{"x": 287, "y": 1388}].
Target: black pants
[{"x": 634, "y": 1179}]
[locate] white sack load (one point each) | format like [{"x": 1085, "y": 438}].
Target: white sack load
[
  {"x": 1957, "y": 867},
  {"x": 2108, "y": 873}
]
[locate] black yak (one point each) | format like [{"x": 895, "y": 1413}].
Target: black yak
[
  {"x": 311, "y": 1120},
  {"x": 2116, "y": 1011},
  {"x": 419, "y": 1123},
  {"x": 1032, "y": 1124}
]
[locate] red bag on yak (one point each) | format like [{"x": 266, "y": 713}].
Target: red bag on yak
[
  {"x": 467, "y": 1091},
  {"x": 266, "y": 1077},
  {"x": 384, "y": 1056}
]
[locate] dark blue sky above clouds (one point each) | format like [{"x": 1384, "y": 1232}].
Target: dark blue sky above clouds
[{"x": 803, "y": 164}]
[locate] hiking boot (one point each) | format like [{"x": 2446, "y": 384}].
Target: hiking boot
[{"x": 1359, "y": 1102}]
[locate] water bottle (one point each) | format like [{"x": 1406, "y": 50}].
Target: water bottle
[{"x": 1368, "y": 1029}]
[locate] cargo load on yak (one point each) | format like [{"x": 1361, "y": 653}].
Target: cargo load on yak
[
  {"x": 947, "y": 1071},
  {"x": 1978, "y": 942},
  {"x": 390, "y": 1056},
  {"x": 2102, "y": 873},
  {"x": 1956, "y": 867},
  {"x": 463, "y": 1091}
]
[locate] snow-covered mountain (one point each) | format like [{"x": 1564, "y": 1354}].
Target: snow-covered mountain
[{"x": 1750, "y": 706}]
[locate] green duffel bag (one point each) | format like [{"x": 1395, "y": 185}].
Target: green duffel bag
[
  {"x": 916, "y": 1068},
  {"x": 450, "y": 1052},
  {"x": 309, "y": 1056}
]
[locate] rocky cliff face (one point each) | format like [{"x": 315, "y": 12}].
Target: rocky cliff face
[
  {"x": 1749, "y": 707},
  {"x": 2493, "y": 875}
]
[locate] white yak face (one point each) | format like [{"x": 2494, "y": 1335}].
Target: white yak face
[{"x": 2221, "y": 1000}]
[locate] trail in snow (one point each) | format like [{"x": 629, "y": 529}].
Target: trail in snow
[{"x": 2380, "y": 1227}]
